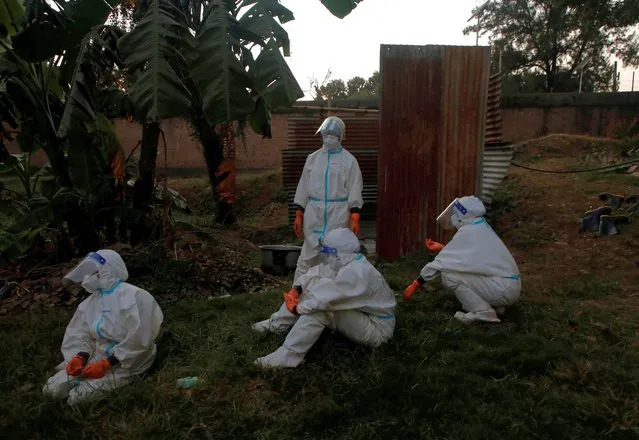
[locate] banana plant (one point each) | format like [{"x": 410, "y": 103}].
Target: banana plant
[{"x": 208, "y": 61}]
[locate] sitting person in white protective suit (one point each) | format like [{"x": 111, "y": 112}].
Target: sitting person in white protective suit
[
  {"x": 328, "y": 196},
  {"x": 475, "y": 265},
  {"x": 344, "y": 293},
  {"x": 111, "y": 337}
]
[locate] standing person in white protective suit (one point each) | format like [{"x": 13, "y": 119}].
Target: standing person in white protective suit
[
  {"x": 344, "y": 293},
  {"x": 475, "y": 265},
  {"x": 111, "y": 337},
  {"x": 328, "y": 196}
]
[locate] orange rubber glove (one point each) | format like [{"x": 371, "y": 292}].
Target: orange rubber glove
[
  {"x": 433, "y": 246},
  {"x": 96, "y": 370},
  {"x": 410, "y": 290},
  {"x": 76, "y": 364},
  {"x": 299, "y": 223},
  {"x": 291, "y": 299},
  {"x": 355, "y": 223}
]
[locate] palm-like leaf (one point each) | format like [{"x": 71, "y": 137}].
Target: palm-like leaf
[
  {"x": 219, "y": 76},
  {"x": 274, "y": 79},
  {"x": 97, "y": 52},
  {"x": 50, "y": 31},
  {"x": 260, "y": 20},
  {"x": 158, "y": 92}
]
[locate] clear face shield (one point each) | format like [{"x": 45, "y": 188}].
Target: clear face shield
[
  {"x": 328, "y": 255},
  {"x": 445, "y": 219},
  {"x": 331, "y": 127},
  {"x": 87, "y": 267}
]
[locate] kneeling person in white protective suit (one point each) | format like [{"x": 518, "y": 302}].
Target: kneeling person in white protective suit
[
  {"x": 111, "y": 337},
  {"x": 344, "y": 293},
  {"x": 475, "y": 264}
]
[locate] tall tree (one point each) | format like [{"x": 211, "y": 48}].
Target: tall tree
[
  {"x": 355, "y": 85},
  {"x": 554, "y": 37}
]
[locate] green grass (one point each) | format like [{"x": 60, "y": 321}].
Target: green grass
[
  {"x": 552, "y": 370},
  {"x": 560, "y": 366},
  {"x": 619, "y": 178}
]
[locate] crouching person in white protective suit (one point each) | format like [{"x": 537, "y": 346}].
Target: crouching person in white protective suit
[
  {"x": 111, "y": 337},
  {"x": 475, "y": 265},
  {"x": 344, "y": 293},
  {"x": 328, "y": 196}
]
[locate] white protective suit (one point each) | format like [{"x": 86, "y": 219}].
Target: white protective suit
[
  {"x": 117, "y": 319},
  {"x": 344, "y": 293},
  {"x": 330, "y": 186},
  {"x": 475, "y": 264}
]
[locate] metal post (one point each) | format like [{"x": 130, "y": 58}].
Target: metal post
[
  {"x": 477, "y": 37},
  {"x": 614, "y": 79},
  {"x": 633, "y": 82},
  {"x": 581, "y": 75}
]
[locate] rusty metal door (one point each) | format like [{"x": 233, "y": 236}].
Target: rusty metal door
[{"x": 432, "y": 116}]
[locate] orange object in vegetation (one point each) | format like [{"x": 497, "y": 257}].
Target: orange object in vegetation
[{"x": 226, "y": 188}]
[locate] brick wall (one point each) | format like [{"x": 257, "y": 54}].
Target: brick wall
[
  {"x": 530, "y": 116},
  {"x": 184, "y": 152},
  {"x": 524, "y": 117}
]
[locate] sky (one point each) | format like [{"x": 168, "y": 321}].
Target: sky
[{"x": 350, "y": 46}]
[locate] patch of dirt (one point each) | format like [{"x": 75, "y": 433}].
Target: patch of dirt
[
  {"x": 195, "y": 267},
  {"x": 542, "y": 229},
  {"x": 563, "y": 146}
]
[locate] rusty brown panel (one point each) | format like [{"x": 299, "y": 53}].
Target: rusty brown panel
[
  {"x": 494, "y": 132},
  {"x": 361, "y": 132},
  {"x": 410, "y": 135},
  {"x": 464, "y": 110},
  {"x": 465, "y": 99}
]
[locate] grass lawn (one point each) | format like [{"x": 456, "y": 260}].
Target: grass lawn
[{"x": 564, "y": 364}]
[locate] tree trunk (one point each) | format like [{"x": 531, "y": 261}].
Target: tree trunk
[
  {"x": 225, "y": 190},
  {"x": 213, "y": 152},
  {"x": 144, "y": 187}
]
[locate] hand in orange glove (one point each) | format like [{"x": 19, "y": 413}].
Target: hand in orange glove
[
  {"x": 355, "y": 223},
  {"x": 410, "y": 290},
  {"x": 291, "y": 299},
  {"x": 299, "y": 223},
  {"x": 433, "y": 246},
  {"x": 76, "y": 364},
  {"x": 96, "y": 370}
]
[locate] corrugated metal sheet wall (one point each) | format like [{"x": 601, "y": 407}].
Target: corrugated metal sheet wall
[
  {"x": 433, "y": 114},
  {"x": 496, "y": 163},
  {"x": 493, "y": 111},
  {"x": 361, "y": 132},
  {"x": 497, "y": 154}
]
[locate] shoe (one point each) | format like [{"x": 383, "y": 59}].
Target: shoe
[
  {"x": 280, "y": 358},
  {"x": 485, "y": 316}
]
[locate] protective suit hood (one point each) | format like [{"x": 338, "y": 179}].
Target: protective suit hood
[
  {"x": 340, "y": 247},
  {"x": 101, "y": 269},
  {"x": 461, "y": 212},
  {"x": 332, "y": 126}
]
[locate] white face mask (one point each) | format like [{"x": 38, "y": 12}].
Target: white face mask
[
  {"x": 91, "y": 283},
  {"x": 331, "y": 142}
]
